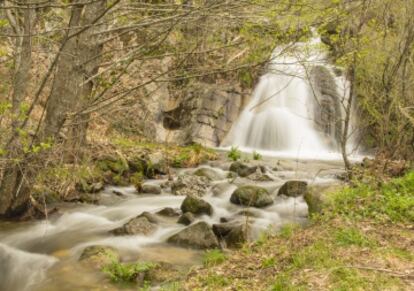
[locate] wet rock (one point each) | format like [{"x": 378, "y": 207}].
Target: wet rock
[
  {"x": 150, "y": 189},
  {"x": 142, "y": 224},
  {"x": 223, "y": 229},
  {"x": 196, "y": 206},
  {"x": 209, "y": 173},
  {"x": 156, "y": 164},
  {"x": 251, "y": 196},
  {"x": 293, "y": 188},
  {"x": 98, "y": 256},
  {"x": 260, "y": 176},
  {"x": 249, "y": 213},
  {"x": 169, "y": 212},
  {"x": 318, "y": 197},
  {"x": 190, "y": 185},
  {"x": 186, "y": 219},
  {"x": 237, "y": 237},
  {"x": 199, "y": 236},
  {"x": 241, "y": 169},
  {"x": 233, "y": 234},
  {"x": 118, "y": 193},
  {"x": 224, "y": 219}
]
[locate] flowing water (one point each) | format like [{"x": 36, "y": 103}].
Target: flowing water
[
  {"x": 278, "y": 121},
  {"x": 44, "y": 255},
  {"x": 280, "y": 118}
]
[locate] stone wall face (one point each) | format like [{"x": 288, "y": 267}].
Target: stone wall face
[
  {"x": 204, "y": 114},
  {"x": 328, "y": 114}
]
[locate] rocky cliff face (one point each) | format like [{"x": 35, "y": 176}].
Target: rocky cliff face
[
  {"x": 203, "y": 114},
  {"x": 328, "y": 116}
]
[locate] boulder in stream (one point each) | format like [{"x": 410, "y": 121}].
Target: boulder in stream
[
  {"x": 190, "y": 185},
  {"x": 209, "y": 173},
  {"x": 98, "y": 256},
  {"x": 251, "y": 196},
  {"x": 151, "y": 189},
  {"x": 198, "y": 236},
  {"x": 319, "y": 197},
  {"x": 234, "y": 234},
  {"x": 169, "y": 212},
  {"x": 293, "y": 188},
  {"x": 196, "y": 206},
  {"x": 186, "y": 219},
  {"x": 142, "y": 224},
  {"x": 242, "y": 170}
]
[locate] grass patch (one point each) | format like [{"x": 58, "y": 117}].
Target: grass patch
[
  {"x": 288, "y": 230},
  {"x": 215, "y": 281},
  {"x": 352, "y": 236},
  {"x": 389, "y": 202},
  {"x": 126, "y": 272},
  {"x": 213, "y": 258}
]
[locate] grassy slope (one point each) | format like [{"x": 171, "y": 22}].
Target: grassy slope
[{"x": 363, "y": 241}]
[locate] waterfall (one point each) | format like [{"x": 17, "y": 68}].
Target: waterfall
[{"x": 290, "y": 113}]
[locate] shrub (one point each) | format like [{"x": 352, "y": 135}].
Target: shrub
[
  {"x": 123, "y": 273},
  {"x": 256, "y": 156},
  {"x": 234, "y": 154}
]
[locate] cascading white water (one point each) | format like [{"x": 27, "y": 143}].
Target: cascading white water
[{"x": 280, "y": 117}]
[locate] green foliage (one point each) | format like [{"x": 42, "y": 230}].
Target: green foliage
[
  {"x": 126, "y": 272},
  {"x": 268, "y": 263},
  {"x": 137, "y": 179},
  {"x": 180, "y": 159},
  {"x": 234, "y": 154},
  {"x": 173, "y": 286},
  {"x": 283, "y": 282},
  {"x": 392, "y": 201},
  {"x": 213, "y": 257},
  {"x": 216, "y": 281},
  {"x": 256, "y": 156},
  {"x": 352, "y": 236},
  {"x": 288, "y": 230}
]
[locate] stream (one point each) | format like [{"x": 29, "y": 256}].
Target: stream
[{"x": 43, "y": 255}]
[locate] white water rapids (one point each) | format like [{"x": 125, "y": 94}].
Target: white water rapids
[
  {"x": 44, "y": 255},
  {"x": 277, "y": 122}
]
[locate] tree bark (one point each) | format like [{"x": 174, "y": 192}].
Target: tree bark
[{"x": 14, "y": 194}]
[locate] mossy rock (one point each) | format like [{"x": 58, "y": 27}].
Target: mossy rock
[
  {"x": 196, "y": 206},
  {"x": 137, "y": 164},
  {"x": 150, "y": 189},
  {"x": 251, "y": 196},
  {"x": 241, "y": 169},
  {"x": 209, "y": 173},
  {"x": 145, "y": 224},
  {"x": 198, "y": 236},
  {"x": 293, "y": 188},
  {"x": 169, "y": 212},
  {"x": 116, "y": 165},
  {"x": 319, "y": 198},
  {"x": 186, "y": 219},
  {"x": 98, "y": 256}
]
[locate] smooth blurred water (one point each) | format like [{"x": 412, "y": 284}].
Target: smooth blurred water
[{"x": 279, "y": 120}]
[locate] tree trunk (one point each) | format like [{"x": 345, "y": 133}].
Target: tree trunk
[
  {"x": 14, "y": 194},
  {"x": 65, "y": 88},
  {"x": 89, "y": 53}
]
